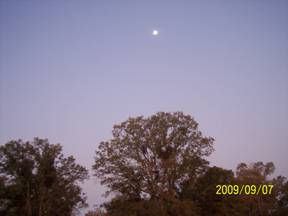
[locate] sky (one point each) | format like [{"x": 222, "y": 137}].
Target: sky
[{"x": 70, "y": 70}]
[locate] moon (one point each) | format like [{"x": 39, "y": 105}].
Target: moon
[{"x": 155, "y": 32}]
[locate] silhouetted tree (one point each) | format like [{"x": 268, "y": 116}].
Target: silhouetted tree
[
  {"x": 204, "y": 192},
  {"x": 121, "y": 205},
  {"x": 36, "y": 179},
  {"x": 148, "y": 160},
  {"x": 281, "y": 192},
  {"x": 256, "y": 174}
]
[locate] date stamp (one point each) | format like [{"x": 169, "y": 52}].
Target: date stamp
[{"x": 262, "y": 189}]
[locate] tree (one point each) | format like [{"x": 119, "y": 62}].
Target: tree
[
  {"x": 256, "y": 174},
  {"x": 150, "y": 158},
  {"x": 38, "y": 180},
  {"x": 204, "y": 192},
  {"x": 121, "y": 205},
  {"x": 281, "y": 193}
]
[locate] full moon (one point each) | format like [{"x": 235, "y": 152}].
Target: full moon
[{"x": 155, "y": 32}]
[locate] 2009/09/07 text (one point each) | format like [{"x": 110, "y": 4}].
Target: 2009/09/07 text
[{"x": 262, "y": 189}]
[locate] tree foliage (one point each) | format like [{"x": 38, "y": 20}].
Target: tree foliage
[
  {"x": 258, "y": 174},
  {"x": 154, "y": 166},
  {"x": 96, "y": 212},
  {"x": 158, "y": 166},
  {"x": 36, "y": 179},
  {"x": 151, "y": 158},
  {"x": 203, "y": 192}
]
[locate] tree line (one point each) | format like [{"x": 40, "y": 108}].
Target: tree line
[{"x": 151, "y": 166}]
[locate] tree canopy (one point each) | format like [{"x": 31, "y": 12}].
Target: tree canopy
[
  {"x": 151, "y": 158},
  {"x": 158, "y": 166},
  {"x": 36, "y": 179},
  {"x": 153, "y": 166}
]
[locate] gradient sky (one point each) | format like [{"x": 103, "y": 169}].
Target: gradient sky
[{"x": 70, "y": 70}]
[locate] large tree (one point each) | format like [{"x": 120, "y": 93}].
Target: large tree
[
  {"x": 151, "y": 158},
  {"x": 36, "y": 179}
]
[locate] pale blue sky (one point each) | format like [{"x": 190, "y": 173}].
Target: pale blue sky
[{"x": 70, "y": 70}]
